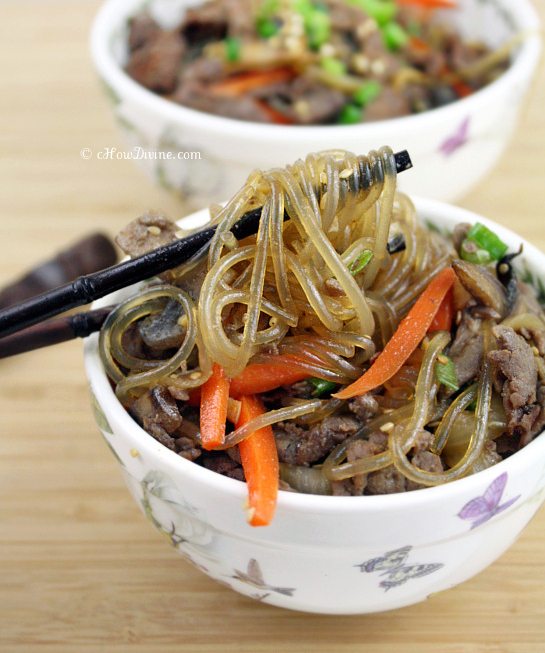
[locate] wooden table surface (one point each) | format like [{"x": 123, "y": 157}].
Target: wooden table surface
[{"x": 80, "y": 568}]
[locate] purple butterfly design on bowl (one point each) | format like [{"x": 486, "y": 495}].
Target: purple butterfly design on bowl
[
  {"x": 481, "y": 509},
  {"x": 452, "y": 143}
]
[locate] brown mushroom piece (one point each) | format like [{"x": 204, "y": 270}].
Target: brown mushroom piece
[{"x": 483, "y": 285}]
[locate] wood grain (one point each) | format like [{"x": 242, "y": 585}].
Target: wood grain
[{"x": 80, "y": 568}]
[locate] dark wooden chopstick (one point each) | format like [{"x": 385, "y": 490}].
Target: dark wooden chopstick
[
  {"x": 89, "y": 254},
  {"x": 90, "y": 287},
  {"x": 53, "y": 332}
]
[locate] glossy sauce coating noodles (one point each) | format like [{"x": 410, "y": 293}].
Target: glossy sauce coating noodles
[{"x": 297, "y": 316}]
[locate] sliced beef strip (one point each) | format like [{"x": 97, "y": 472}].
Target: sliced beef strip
[
  {"x": 186, "y": 448},
  {"x": 527, "y": 301},
  {"x": 515, "y": 377},
  {"x": 141, "y": 236},
  {"x": 386, "y": 481},
  {"x": 345, "y": 17},
  {"x": 364, "y": 406},
  {"x": 288, "y": 437},
  {"x": 389, "y": 104},
  {"x": 196, "y": 95},
  {"x": 360, "y": 449},
  {"x": 221, "y": 463},
  {"x": 143, "y": 30},
  {"x": 156, "y": 64},
  {"x": 467, "y": 349},
  {"x": 320, "y": 440},
  {"x": 298, "y": 446},
  {"x": 206, "y": 22},
  {"x": 303, "y": 101}
]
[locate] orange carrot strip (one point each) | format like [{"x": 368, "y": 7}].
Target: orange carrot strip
[
  {"x": 430, "y": 4},
  {"x": 257, "y": 378},
  {"x": 418, "y": 45},
  {"x": 462, "y": 89},
  {"x": 260, "y": 464},
  {"x": 405, "y": 340},
  {"x": 443, "y": 318},
  {"x": 275, "y": 116},
  {"x": 214, "y": 398},
  {"x": 240, "y": 84}
]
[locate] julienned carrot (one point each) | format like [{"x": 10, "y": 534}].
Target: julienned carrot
[
  {"x": 430, "y": 4},
  {"x": 260, "y": 464},
  {"x": 240, "y": 84},
  {"x": 443, "y": 318},
  {"x": 405, "y": 340},
  {"x": 462, "y": 89},
  {"x": 275, "y": 116},
  {"x": 213, "y": 413},
  {"x": 257, "y": 378}
]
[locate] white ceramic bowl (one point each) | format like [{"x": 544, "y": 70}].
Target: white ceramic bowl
[
  {"x": 335, "y": 555},
  {"x": 455, "y": 145}
]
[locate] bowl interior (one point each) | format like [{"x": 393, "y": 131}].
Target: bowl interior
[
  {"x": 493, "y": 22},
  {"x": 441, "y": 216}
]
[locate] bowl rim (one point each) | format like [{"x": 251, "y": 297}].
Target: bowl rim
[
  {"x": 445, "y": 214},
  {"x": 113, "y": 12}
]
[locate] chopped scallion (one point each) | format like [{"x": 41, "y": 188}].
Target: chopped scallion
[
  {"x": 446, "y": 374},
  {"x": 322, "y": 387},
  {"x": 350, "y": 115},
  {"x": 317, "y": 28},
  {"x": 333, "y": 66},
  {"x": 266, "y": 27},
  {"x": 367, "y": 92},
  {"x": 358, "y": 264},
  {"x": 232, "y": 48},
  {"x": 472, "y": 253},
  {"x": 383, "y": 11},
  {"x": 394, "y": 36},
  {"x": 487, "y": 240}
]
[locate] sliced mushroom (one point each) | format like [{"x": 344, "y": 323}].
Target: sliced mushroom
[{"x": 483, "y": 285}]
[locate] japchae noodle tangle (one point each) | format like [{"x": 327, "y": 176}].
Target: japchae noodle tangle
[{"x": 377, "y": 369}]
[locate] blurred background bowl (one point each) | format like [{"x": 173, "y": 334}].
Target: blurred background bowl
[
  {"x": 452, "y": 147},
  {"x": 329, "y": 554}
]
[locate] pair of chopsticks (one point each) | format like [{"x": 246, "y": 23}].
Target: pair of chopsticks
[{"x": 20, "y": 328}]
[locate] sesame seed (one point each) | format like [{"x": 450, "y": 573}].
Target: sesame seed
[
  {"x": 442, "y": 359},
  {"x": 536, "y": 351},
  {"x": 293, "y": 44},
  {"x": 183, "y": 320},
  {"x": 323, "y": 200},
  {"x": 347, "y": 172},
  {"x": 250, "y": 515},
  {"x": 323, "y": 177},
  {"x": 387, "y": 427},
  {"x": 328, "y": 50},
  {"x": 195, "y": 375},
  {"x": 154, "y": 231},
  {"x": 246, "y": 504},
  {"x": 361, "y": 63},
  {"x": 378, "y": 67},
  {"x": 503, "y": 268},
  {"x": 366, "y": 28},
  {"x": 302, "y": 109},
  {"x": 134, "y": 453}
]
